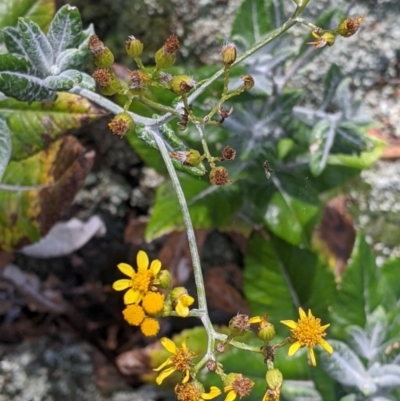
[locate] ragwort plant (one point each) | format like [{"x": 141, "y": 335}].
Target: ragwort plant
[{"x": 43, "y": 67}]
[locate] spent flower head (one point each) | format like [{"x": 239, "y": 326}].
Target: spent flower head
[
  {"x": 140, "y": 282},
  {"x": 239, "y": 386},
  {"x": 180, "y": 361},
  {"x": 194, "y": 391},
  {"x": 307, "y": 332}
]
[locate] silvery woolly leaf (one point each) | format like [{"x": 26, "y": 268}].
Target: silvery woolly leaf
[
  {"x": 385, "y": 376},
  {"x": 5, "y": 146}
]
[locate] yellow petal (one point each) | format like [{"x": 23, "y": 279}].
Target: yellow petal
[
  {"x": 155, "y": 266},
  {"x": 187, "y": 376},
  {"x": 290, "y": 323},
  {"x": 293, "y": 348},
  {"x": 126, "y": 269},
  {"x": 132, "y": 297},
  {"x": 186, "y": 300},
  {"x": 163, "y": 365},
  {"x": 181, "y": 310},
  {"x": 323, "y": 328},
  {"x": 164, "y": 374},
  {"x": 302, "y": 313},
  {"x": 122, "y": 284},
  {"x": 169, "y": 345},
  {"x": 214, "y": 392},
  {"x": 255, "y": 319},
  {"x": 326, "y": 346},
  {"x": 230, "y": 396},
  {"x": 312, "y": 356},
  {"x": 142, "y": 261}
]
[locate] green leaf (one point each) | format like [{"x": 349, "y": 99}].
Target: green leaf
[
  {"x": 71, "y": 59},
  {"x": 5, "y": 146},
  {"x": 274, "y": 281},
  {"x": 362, "y": 289},
  {"x": 321, "y": 141},
  {"x": 331, "y": 81},
  {"x": 204, "y": 201},
  {"x": 36, "y": 46},
  {"x": 390, "y": 271},
  {"x": 346, "y": 368},
  {"x": 65, "y": 29},
  {"x": 292, "y": 209},
  {"x": 59, "y": 83},
  {"x": 17, "y": 80},
  {"x": 254, "y": 19},
  {"x": 33, "y": 126},
  {"x": 37, "y": 191},
  {"x": 39, "y": 11}
]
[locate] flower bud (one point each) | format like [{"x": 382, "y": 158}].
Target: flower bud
[
  {"x": 177, "y": 292},
  {"x": 167, "y": 309},
  {"x": 349, "y": 26},
  {"x": 182, "y": 84},
  {"x": 165, "y": 279},
  {"x": 166, "y": 56},
  {"x": 329, "y": 38},
  {"x": 121, "y": 124},
  {"x": 229, "y": 54},
  {"x": 133, "y": 46},
  {"x": 248, "y": 82},
  {"x": 102, "y": 55},
  {"x": 190, "y": 157},
  {"x": 274, "y": 379},
  {"x": 219, "y": 176},
  {"x": 266, "y": 332}
]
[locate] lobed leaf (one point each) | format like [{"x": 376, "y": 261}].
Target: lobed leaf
[
  {"x": 5, "y": 146},
  {"x": 37, "y": 191},
  {"x": 65, "y": 29},
  {"x": 18, "y": 80},
  {"x": 34, "y": 126}
]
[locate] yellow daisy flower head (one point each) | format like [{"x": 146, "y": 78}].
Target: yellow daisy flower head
[
  {"x": 180, "y": 361},
  {"x": 307, "y": 332},
  {"x": 140, "y": 281},
  {"x": 150, "y": 327},
  {"x": 194, "y": 391},
  {"x": 238, "y": 386},
  {"x": 182, "y": 301}
]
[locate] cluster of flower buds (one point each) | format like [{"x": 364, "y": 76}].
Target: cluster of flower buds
[
  {"x": 137, "y": 84},
  {"x": 149, "y": 294},
  {"x": 346, "y": 28}
]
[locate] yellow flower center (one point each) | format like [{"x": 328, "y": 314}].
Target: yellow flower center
[
  {"x": 187, "y": 392},
  {"x": 182, "y": 359},
  {"x": 308, "y": 331},
  {"x": 153, "y": 302},
  {"x": 150, "y": 327},
  {"x": 133, "y": 314},
  {"x": 142, "y": 281}
]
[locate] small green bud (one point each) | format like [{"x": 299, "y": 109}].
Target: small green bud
[
  {"x": 349, "y": 26},
  {"x": 121, "y": 124},
  {"x": 190, "y": 157},
  {"x": 165, "y": 279},
  {"x": 167, "y": 309},
  {"x": 266, "y": 332},
  {"x": 329, "y": 38},
  {"x": 177, "y": 292},
  {"x": 133, "y": 46},
  {"x": 274, "y": 379},
  {"x": 229, "y": 54},
  {"x": 182, "y": 84}
]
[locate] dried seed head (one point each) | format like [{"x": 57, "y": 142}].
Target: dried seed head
[
  {"x": 102, "y": 55},
  {"x": 219, "y": 176},
  {"x": 121, "y": 124},
  {"x": 138, "y": 80},
  {"x": 239, "y": 324},
  {"x": 211, "y": 365},
  {"x": 349, "y": 26},
  {"x": 166, "y": 56},
  {"x": 102, "y": 76},
  {"x": 248, "y": 82},
  {"x": 228, "y": 153},
  {"x": 224, "y": 113},
  {"x": 171, "y": 45},
  {"x": 96, "y": 46}
]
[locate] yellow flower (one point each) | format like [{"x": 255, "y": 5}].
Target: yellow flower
[
  {"x": 182, "y": 301},
  {"x": 239, "y": 386},
  {"x": 193, "y": 392},
  {"x": 181, "y": 361},
  {"x": 150, "y": 327},
  {"x": 307, "y": 332},
  {"x": 140, "y": 282},
  {"x": 133, "y": 314},
  {"x": 153, "y": 303}
]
